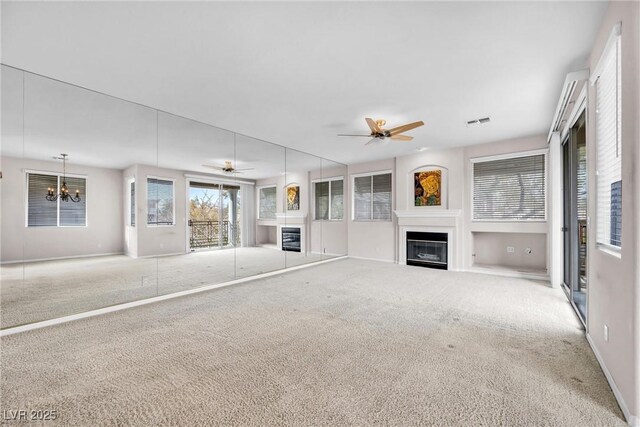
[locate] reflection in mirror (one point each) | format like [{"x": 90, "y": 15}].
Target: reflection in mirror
[
  {"x": 300, "y": 235},
  {"x": 74, "y": 178},
  {"x": 198, "y": 245},
  {"x": 331, "y": 209},
  {"x": 260, "y": 171}
]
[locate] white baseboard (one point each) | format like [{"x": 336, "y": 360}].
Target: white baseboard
[
  {"x": 507, "y": 273},
  {"x": 27, "y": 261},
  {"x": 372, "y": 259},
  {"x": 631, "y": 419},
  {"x": 125, "y": 306}
]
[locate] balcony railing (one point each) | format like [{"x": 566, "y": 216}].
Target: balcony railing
[{"x": 207, "y": 234}]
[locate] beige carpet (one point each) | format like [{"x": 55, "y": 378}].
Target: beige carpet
[
  {"x": 346, "y": 343},
  {"x": 44, "y": 290}
]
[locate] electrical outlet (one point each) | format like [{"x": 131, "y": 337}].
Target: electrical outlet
[
  {"x": 510, "y": 249},
  {"x": 528, "y": 251},
  {"x": 606, "y": 333}
]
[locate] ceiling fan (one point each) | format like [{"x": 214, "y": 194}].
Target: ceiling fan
[
  {"x": 227, "y": 167},
  {"x": 377, "y": 132}
]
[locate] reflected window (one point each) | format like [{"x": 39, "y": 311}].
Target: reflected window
[
  {"x": 132, "y": 203},
  {"x": 329, "y": 199},
  {"x": 267, "y": 203},
  {"x": 160, "y": 206},
  {"x": 372, "y": 197},
  {"x": 44, "y": 213}
]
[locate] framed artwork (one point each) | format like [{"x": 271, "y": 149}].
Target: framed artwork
[
  {"x": 428, "y": 188},
  {"x": 293, "y": 198}
]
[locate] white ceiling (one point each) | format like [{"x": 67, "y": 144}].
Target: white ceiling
[{"x": 297, "y": 74}]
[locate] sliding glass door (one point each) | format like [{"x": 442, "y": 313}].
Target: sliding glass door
[
  {"x": 575, "y": 216},
  {"x": 214, "y": 215}
]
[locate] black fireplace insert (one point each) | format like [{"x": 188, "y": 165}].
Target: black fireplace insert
[
  {"x": 427, "y": 249},
  {"x": 291, "y": 239}
]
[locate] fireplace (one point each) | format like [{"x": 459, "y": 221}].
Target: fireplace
[
  {"x": 291, "y": 239},
  {"x": 427, "y": 249}
]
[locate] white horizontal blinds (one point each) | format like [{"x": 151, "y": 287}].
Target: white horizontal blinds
[
  {"x": 362, "y": 198},
  {"x": 509, "y": 189},
  {"x": 337, "y": 199},
  {"x": 267, "y": 208},
  {"x": 382, "y": 197},
  {"x": 159, "y": 202},
  {"x": 74, "y": 214},
  {"x": 322, "y": 200},
  {"x": 132, "y": 206},
  {"x": 372, "y": 197},
  {"x": 40, "y": 211},
  {"x": 608, "y": 151}
]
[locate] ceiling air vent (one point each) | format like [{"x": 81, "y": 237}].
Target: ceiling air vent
[{"x": 479, "y": 121}]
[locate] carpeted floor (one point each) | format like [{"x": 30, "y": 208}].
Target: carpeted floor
[
  {"x": 346, "y": 343},
  {"x": 44, "y": 290}
]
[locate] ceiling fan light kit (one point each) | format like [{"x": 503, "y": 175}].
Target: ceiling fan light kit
[{"x": 378, "y": 132}]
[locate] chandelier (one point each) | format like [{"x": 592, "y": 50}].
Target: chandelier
[{"x": 64, "y": 191}]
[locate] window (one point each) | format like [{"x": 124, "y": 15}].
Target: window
[
  {"x": 43, "y": 213},
  {"x": 159, "y": 201},
  {"x": 511, "y": 189},
  {"x": 132, "y": 203},
  {"x": 372, "y": 197},
  {"x": 606, "y": 79},
  {"x": 329, "y": 199},
  {"x": 267, "y": 203}
]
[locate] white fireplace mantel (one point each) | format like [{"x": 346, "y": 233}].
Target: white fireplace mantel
[
  {"x": 291, "y": 218},
  {"x": 430, "y": 213},
  {"x": 432, "y": 220}
]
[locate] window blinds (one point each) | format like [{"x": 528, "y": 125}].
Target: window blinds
[
  {"x": 40, "y": 211},
  {"x": 372, "y": 197},
  {"x": 159, "y": 202},
  {"x": 44, "y": 213},
  {"x": 267, "y": 208},
  {"x": 329, "y": 200},
  {"x": 608, "y": 155},
  {"x": 132, "y": 206},
  {"x": 322, "y": 200},
  {"x": 74, "y": 214},
  {"x": 337, "y": 199},
  {"x": 509, "y": 189}
]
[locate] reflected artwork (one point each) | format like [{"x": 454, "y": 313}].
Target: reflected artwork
[{"x": 293, "y": 198}]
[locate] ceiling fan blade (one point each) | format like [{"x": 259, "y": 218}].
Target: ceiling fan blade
[
  {"x": 402, "y": 137},
  {"x": 342, "y": 134},
  {"x": 243, "y": 169},
  {"x": 404, "y": 128},
  {"x": 370, "y": 141},
  {"x": 373, "y": 126},
  {"x": 213, "y": 166}
]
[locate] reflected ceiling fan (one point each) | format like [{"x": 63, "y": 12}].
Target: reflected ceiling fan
[
  {"x": 227, "y": 167},
  {"x": 377, "y": 131}
]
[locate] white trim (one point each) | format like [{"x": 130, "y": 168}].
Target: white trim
[
  {"x": 570, "y": 83},
  {"x": 613, "y": 251},
  {"x": 27, "y": 261},
  {"x": 508, "y": 273},
  {"x": 440, "y": 213},
  {"x": 353, "y": 194},
  {"x": 124, "y": 306},
  {"x": 173, "y": 198},
  {"x": 333, "y": 178},
  {"x": 215, "y": 180},
  {"x": 581, "y": 102},
  {"x": 631, "y": 419},
  {"x": 612, "y": 41},
  {"x": 529, "y": 153},
  {"x": 372, "y": 259}
]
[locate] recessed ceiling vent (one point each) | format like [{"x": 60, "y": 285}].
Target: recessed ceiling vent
[{"x": 479, "y": 121}]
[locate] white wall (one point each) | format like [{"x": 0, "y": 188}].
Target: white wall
[
  {"x": 614, "y": 282},
  {"x": 102, "y": 235}
]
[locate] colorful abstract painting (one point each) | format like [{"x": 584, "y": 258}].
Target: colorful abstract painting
[
  {"x": 293, "y": 198},
  {"x": 428, "y": 188}
]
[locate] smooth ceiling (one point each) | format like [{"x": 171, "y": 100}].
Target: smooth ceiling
[{"x": 297, "y": 74}]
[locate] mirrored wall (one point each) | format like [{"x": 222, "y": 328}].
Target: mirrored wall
[{"x": 105, "y": 201}]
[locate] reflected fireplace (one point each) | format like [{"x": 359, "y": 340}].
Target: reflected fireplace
[
  {"x": 291, "y": 239},
  {"x": 427, "y": 249}
]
